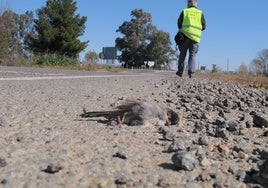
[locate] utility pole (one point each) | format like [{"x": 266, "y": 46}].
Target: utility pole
[{"x": 228, "y": 65}]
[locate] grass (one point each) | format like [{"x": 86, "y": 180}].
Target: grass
[
  {"x": 89, "y": 67},
  {"x": 97, "y": 68}
]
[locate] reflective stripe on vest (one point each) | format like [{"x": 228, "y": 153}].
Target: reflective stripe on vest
[{"x": 192, "y": 25}]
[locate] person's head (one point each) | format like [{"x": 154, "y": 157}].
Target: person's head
[{"x": 192, "y": 3}]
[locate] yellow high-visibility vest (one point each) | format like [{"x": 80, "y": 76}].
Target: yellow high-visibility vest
[{"x": 192, "y": 24}]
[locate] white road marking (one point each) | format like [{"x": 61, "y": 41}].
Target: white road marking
[
  {"x": 60, "y": 77},
  {"x": 19, "y": 72}
]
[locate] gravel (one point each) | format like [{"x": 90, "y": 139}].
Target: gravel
[{"x": 220, "y": 141}]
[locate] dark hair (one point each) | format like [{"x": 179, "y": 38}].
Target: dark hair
[{"x": 193, "y": 2}]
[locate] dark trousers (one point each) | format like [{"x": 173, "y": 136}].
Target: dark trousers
[{"x": 192, "y": 47}]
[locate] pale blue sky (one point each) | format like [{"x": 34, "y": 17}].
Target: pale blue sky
[{"x": 236, "y": 29}]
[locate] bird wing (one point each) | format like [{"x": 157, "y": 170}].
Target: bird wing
[
  {"x": 107, "y": 114},
  {"x": 127, "y": 105}
]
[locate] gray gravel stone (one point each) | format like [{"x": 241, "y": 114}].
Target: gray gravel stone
[
  {"x": 184, "y": 161},
  {"x": 120, "y": 154},
  {"x": 176, "y": 145},
  {"x": 260, "y": 119},
  {"x": 52, "y": 169},
  {"x": 203, "y": 140},
  {"x": 3, "y": 162}
]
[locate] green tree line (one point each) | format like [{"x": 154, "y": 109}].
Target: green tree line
[{"x": 54, "y": 29}]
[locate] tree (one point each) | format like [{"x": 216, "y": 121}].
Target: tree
[
  {"x": 159, "y": 48},
  {"x": 259, "y": 65},
  {"x": 26, "y": 27},
  {"x": 57, "y": 29},
  {"x": 3, "y": 37},
  {"x": 3, "y": 40},
  {"x": 136, "y": 32},
  {"x": 263, "y": 57},
  {"x": 13, "y": 29},
  {"x": 142, "y": 41},
  {"x": 256, "y": 67},
  {"x": 92, "y": 57},
  {"x": 242, "y": 70},
  {"x": 9, "y": 29}
]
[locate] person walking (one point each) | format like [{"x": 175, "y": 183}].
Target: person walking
[{"x": 191, "y": 23}]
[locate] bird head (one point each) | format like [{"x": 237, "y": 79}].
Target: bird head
[{"x": 173, "y": 117}]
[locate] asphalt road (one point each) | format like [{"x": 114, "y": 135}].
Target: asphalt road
[{"x": 8, "y": 73}]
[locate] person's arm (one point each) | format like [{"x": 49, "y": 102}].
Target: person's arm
[
  {"x": 180, "y": 20},
  {"x": 203, "y": 21}
]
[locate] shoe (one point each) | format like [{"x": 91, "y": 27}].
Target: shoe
[
  {"x": 178, "y": 74},
  {"x": 190, "y": 76}
]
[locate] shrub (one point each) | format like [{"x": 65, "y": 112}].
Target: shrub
[{"x": 55, "y": 61}]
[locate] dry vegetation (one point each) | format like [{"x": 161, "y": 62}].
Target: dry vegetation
[
  {"x": 245, "y": 80},
  {"x": 91, "y": 67}
]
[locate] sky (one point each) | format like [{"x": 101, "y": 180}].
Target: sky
[{"x": 237, "y": 30}]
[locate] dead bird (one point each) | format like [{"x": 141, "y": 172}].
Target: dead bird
[{"x": 136, "y": 112}]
